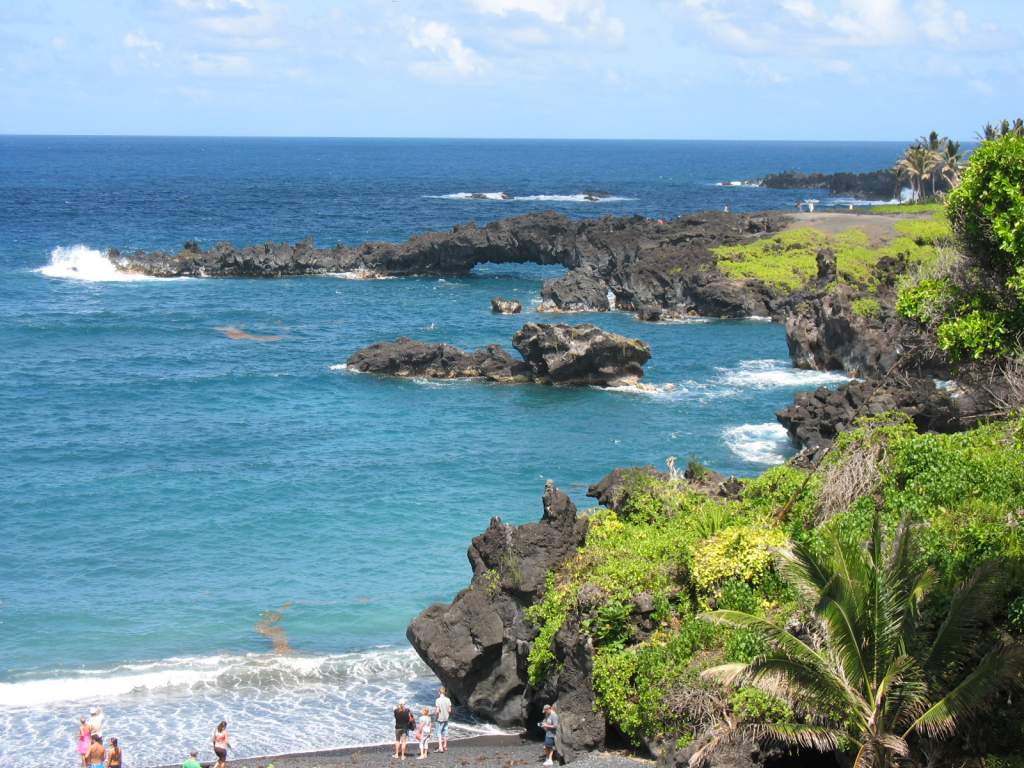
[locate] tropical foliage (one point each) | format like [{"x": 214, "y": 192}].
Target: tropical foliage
[
  {"x": 647, "y": 570},
  {"x": 880, "y": 679}
]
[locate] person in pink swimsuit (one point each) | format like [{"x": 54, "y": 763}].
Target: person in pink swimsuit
[
  {"x": 221, "y": 745},
  {"x": 84, "y": 738}
]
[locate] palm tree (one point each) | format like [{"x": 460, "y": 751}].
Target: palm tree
[
  {"x": 990, "y": 132},
  {"x": 933, "y": 144},
  {"x": 952, "y": 160},
  {"x": 879, "y": 682},
  {"x": 916, "y": 165}
]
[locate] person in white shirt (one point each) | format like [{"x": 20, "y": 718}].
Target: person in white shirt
[
  {"x": 442, "y": 711},
  {"x": 96, "y": 721}
]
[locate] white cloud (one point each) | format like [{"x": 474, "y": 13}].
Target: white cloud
[
  {"x": 584, "y": 17},
  {"x": 215, "y": 5},
  {"x": 456, "y": 58},
  {"x": 803, "y": 10},
  {"x": 58, "y": 43},
  {"x": 872, "y": 22},
  {"x": 219, "y": 64},
  {"x": 941, "y": 23},
  {"x": 138, "y": 41}
]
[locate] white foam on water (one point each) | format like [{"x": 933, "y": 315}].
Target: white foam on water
[
  {"x": 359, "y": 274},
  {"x": 777, "y": 374},
  {"x": 339, "y": 367},
  {"x": 737, "y": 184},
  {"x": 274, "y": 704},
  {"x": 504, "y": 197},
  {"x": 80, "y": 262},
  {"x": 758, "y": 443}
]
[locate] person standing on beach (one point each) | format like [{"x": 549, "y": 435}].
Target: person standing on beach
[
  {"x": 221, "y": 744},
  {"x": 96, "y": 755},
  {"x": 114, "y": 756},
  {"x": 550, "y": 726},
  {"x": 442, "y": 711},
  {"x": 84, "y": 738},
  {"x": 401, "y": 729},
  {"x": 423, "y": 732},
  {"x": 192, "y": 761}
]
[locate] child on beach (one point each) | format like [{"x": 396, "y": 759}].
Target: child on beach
[
  {"x": 96, "y": 755},
  {"x": 84, "y": 738},
  {"x": 114, "y": 757},
  {"x": 423, "y": 732}
]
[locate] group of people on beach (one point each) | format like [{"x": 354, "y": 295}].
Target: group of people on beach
[
  {"x": 436, "y": 719},
  {"x": 421, "y": 727},
  {"x": 95, "y": 755}
]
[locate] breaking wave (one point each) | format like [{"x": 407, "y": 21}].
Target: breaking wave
[
  {"x": 80, "y": 262},
  {"x": 580, "y": 197},
  {"x": 776, "y": 374},
  {"x": 758, "y": 443}
]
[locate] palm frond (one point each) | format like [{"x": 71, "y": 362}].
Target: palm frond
[
  {"x": 1000, "y": 667},
  {"x": 971, "y": 606},
  {"x": 818, "y": 737}
]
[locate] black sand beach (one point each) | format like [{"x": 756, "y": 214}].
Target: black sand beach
[{"x": 498, "y": 751}]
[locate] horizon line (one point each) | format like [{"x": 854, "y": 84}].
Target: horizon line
[{"x": 5, "y": 134}]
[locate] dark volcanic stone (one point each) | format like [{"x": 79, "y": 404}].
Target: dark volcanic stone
[
  {"x": 577, "y": 291},
  {"x": 478, "y": 644},
  {"x": 407, "y": 357},
  {"x": 581, "y": 354}
]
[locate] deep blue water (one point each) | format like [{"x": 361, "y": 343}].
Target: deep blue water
[{"x": 161, "y": 484}]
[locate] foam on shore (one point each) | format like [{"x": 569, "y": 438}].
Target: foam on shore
[{"x": 758, "y": 443}]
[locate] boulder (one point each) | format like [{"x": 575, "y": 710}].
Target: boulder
[
  {"x": 500, "y": 306},
  {"x": 581, "y": 355},
  {"x": 577, "y": 291},
  {"x": 478, "y": 645},
  {"x": 409, "y": 358}
]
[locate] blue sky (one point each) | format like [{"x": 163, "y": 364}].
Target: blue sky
[{"x": 729, "y": 69}]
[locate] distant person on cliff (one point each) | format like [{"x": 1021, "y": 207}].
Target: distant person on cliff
[
  {"x": 402, "y": 716},
  {"x": 96, "y": 755},
  {"x": 442, "y": 711},
  {"x": 550, "y": 726},
  {"x": 84, "y": 738},
  {"x": 221, "y": 743},
  {"x": 114, "y": 757},
  {"x": 423, "y": 732},
  {"x": 192, "y": 761}
]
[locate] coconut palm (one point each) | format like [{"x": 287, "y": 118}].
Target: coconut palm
[
  {"x": 916, "y": 165},
  {"x": 991, "y": 132},
  {"x": 951, "y": 162},
  {"x": 880, "y": 682},
  {"x": 934, "y": 144}
]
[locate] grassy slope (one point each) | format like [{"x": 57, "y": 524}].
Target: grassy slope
[{"x": 787, "y": 260}]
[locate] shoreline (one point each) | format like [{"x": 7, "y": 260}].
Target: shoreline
[{"x": 482, "y": 751}]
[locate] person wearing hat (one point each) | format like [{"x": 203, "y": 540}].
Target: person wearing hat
[
  {"x": 550, "y": 726},
  {"x": 192, "y": 761},
  {"x": 96, "y": 721}
]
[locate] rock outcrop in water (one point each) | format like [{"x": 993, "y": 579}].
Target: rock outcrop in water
[
  {"x": 874, "y": 185},
  {"x": 500, "y": 306},
  {"x": 573, "y": 355},
  {"x": 638, "y": 261},
  {"x": 479, "y": 644}
]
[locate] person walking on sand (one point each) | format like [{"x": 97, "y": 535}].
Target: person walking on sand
[
  {"x": 442, "y": 711},
  {"x": 401, "y": 729},
  {"x": 114, "y": 756},
  {"x": 550, "y": 726},
  {"x": 96, "y": 755},
  {"x": 221, "y": 743},
  {"x": 192, "y": 761},
  {"x": 84, "y": 739},
  {"x": 423, "y": 732}
]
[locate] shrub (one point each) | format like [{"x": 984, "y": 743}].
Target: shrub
[
  {"x": 743, "y": 552},
  {"x": 865, "y": 307},
  {"x": 754, "y": 705},
  {"x": 987, "y": 209}
]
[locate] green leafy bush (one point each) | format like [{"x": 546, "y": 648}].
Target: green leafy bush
[
  {"x": 987, "y": 209},
  {"x": 866, "y": 307},
  {"x": 754, "y": 705}
]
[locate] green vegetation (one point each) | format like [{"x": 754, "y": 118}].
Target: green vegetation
[
  {"x": 677, "y": 552},
  {"x": 789, "y": 259},
  {"x": 907, "y": 208},
  {"x": 974, "y": 303},
  {"x": 866, "y": 307},
  {"x": 884, "y": 676}
]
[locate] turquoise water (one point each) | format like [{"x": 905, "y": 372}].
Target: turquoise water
[{"x": 162, "y": 485}]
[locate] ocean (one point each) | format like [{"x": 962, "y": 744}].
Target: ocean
[{"x": 164, "y": 487}]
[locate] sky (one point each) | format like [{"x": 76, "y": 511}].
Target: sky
[{"x": 642, "y": 69}]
